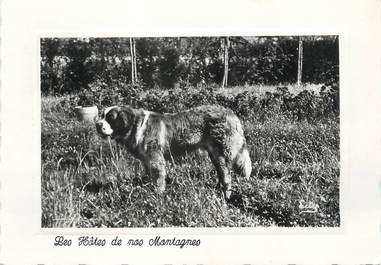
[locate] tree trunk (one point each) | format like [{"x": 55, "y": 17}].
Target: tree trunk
[
  {"x": 135, "y": 68},
  {"x": 300, "y": 60},
  {"x": 133, "y": 61},
  {"x": 226, "y": 62},
  {"x": 51, "y": 75}
]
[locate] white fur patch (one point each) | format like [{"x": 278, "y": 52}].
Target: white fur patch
[
  {"x": 142, "y": 128},
  {"x": 106, "y": 128},
  {"x": 162, "y": 134},
  {"x": 108, "y": 109}
]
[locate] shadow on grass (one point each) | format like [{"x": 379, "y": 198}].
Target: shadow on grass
[{"x": 280, "y": 217}]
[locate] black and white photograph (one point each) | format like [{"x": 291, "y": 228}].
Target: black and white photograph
[
  {"x": 190, "y": 132},
  {"x": 220, "y": 131}
]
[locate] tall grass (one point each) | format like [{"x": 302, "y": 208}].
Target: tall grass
[{"x": 88, "y": 182}]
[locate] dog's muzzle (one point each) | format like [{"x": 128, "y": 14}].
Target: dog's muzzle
[{"x": 103, "y": 128}]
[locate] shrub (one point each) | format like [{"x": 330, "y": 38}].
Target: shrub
[{"x": 306, "y": 105}]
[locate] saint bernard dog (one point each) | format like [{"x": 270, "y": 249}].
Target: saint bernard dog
[{"x": 154, "y": 138}]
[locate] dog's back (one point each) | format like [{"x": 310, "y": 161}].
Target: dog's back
[{"x": 211, "y": 127}]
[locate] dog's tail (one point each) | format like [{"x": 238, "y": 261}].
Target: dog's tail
[{"x": 242, "y": 162}]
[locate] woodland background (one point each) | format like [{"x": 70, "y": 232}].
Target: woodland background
[{"x": 71, "y": 64}]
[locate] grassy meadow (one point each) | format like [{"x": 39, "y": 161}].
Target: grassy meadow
[{"x": 91, "y": 182}]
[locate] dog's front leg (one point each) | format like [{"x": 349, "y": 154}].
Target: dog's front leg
[{"x": 155, "y": 165}]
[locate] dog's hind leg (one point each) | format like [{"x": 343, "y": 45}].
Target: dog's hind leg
[
  {"x": 223, "y": 173},
  {"x": 242, "y": 162}
]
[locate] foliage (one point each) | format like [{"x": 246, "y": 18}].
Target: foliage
[
  {"x": 321, "y": 60},
  {"x": 100, "y": 93},
  {"x": 306, "y": 105},
  {"x": 71, "y": 64}
]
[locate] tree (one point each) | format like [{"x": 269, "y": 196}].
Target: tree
[
  {"x": 133, "y": 61},
  {"x": 78, "y": 75},
  {"x": 300, "y": 60},
  {"x": 226, "y": 61},
  {"x": 49, "y": 50},
  {"x": 169, "y": 66}
]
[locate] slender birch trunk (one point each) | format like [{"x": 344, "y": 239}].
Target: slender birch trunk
[
  {"x": 135, "y": 68},
  {"x": 300, "y": 61},
  {"x": 226, "y": 62},
  {"x": 132, "y": 61}
]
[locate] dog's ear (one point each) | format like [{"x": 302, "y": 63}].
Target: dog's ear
[
  {"x": 125, "y": 118},
  {"x": 114, "y": 113}
]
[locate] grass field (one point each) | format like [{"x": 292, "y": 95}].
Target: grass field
[{"x": 89, "y": 182}]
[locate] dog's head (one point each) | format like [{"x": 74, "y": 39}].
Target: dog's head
[{"x": 115, "y": 121}]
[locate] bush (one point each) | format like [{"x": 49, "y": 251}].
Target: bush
[
  {"x": 101, "y": 94},
  {"x": 306, "y": 105}
]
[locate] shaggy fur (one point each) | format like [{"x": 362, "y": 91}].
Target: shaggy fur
[{"x": 154, "y": 137}]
